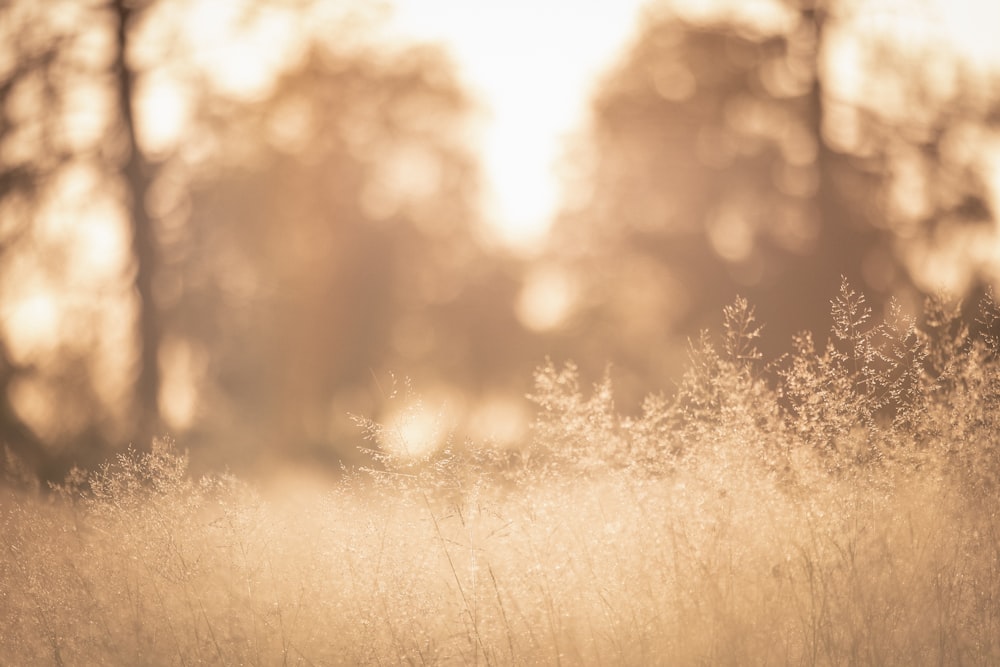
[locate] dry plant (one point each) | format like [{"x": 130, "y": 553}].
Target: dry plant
[{"x": 835, "y": 506}]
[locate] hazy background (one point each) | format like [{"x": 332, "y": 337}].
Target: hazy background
[{"x": 235, "y": 221}]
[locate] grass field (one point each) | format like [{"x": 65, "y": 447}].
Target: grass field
[{"x": 836, "y": 506}]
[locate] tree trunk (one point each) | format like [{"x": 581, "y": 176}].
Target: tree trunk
[
  {"x": 137, "y": 174},
  {"x": 844, "y": 234}
]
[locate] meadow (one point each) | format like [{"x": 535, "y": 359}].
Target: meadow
[{"x": 836, "y": 506}]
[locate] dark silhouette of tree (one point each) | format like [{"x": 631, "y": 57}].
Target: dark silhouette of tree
[
  {"x": 137, "y": 172},
  {"x": 723, "y": 163}
]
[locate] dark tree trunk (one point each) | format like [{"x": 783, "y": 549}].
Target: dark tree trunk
[
  {"x": 845, "y": 233},
  {"x": 137, "y": 173}
]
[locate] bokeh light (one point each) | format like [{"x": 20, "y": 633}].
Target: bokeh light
[{"x": 299, "y": 197}]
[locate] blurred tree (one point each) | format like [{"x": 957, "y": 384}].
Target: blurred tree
[
  {"x": 137, "y": 172},
  {"x": 228, "y": 231},
  {"x": 67, "y": 153},
  {"x": 339, "y": 248},
  {"x": 726, "y": 158}
]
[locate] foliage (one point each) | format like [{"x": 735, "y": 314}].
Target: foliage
[
  {"x": 834, "y": 506},
  {"x": 292, "y": 232},
  {"x": 727, "y": 155}
]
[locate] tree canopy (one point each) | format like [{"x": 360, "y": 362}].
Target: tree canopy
[
  {"x": 729, "y": 158},
  {"x": 232, "y": 254}
]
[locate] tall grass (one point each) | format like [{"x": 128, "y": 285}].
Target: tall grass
[{"x": 835, "y": 506}]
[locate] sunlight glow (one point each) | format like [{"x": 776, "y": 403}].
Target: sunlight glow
[
  {"x": 530, "y": 66},
  {"x": 241, "y": 51},
  {"x": 91, "y": 224},
  {"x": 183, "y": 367},
  {"x": 102, "y": 244},
  {"x": 533, "y": 65},
  {"x": 414, "y": 431},
  {"x": 547, "y": 298},
  {"x": 32, "y": 322},
  {"x": 89, "y": 106},
  {"x": 971, "y": 26},
  {"x": 499, "y": 421},
  {"x": 163, "y": 108}
]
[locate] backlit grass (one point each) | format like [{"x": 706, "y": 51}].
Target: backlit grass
[{"x": 837, "y": 506}]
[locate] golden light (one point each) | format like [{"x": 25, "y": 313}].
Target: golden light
[
  {"x": 32, "y": 323},
  {"x": 240, "y": 51},
  {"x": 499, "y": 421},
  {"x": 547, "y": 299},
  {"x": 532, "y": 66},
  {"x": 163, "y": 110},
  {"x": 416, "y": 430},
  {"x": 183, "y": 367},
  {"x": 971, "y": 27}
]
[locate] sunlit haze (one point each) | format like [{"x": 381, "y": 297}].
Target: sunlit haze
[
  {"x": 499, "y": 332},
  {"x": 531, "y": 70},
  {"x": 532, "y": 65}
]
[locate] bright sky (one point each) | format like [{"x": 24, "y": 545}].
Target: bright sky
[{"x": 533, "y": 64}]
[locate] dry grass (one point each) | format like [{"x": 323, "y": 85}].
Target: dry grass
[{"x": 838, "y": 507}]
